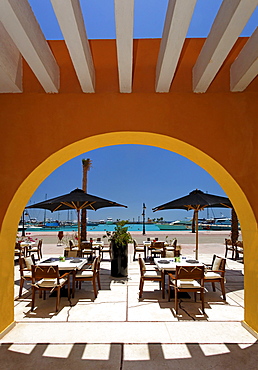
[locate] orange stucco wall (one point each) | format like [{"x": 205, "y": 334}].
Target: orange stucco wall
[{"x": 219, "y": 125}]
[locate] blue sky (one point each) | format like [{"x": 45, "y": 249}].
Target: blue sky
[{"x": 131, "y": 174}]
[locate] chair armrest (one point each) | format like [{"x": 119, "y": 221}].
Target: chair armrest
[
  {"x": 64, "y": 275},
  {"x": 156, "y": 269},
  {"x": 219, "y": 271}
]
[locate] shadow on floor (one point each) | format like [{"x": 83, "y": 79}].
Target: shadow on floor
[{"x": 128, "y": 356}]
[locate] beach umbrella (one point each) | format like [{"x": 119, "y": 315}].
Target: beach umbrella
[
  {"x": 197, "y": 200},
  {"x": 78, "y": 200}
]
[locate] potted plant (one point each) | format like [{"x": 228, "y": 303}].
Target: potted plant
[{"x": 119, "y": 240}]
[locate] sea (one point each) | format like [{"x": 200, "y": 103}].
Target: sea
[{"x": 97, "y": 228}]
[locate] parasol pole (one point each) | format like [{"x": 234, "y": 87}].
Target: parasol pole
[
  {"x": 79, "y": 226},
  {"x": 196, "y": 235}
]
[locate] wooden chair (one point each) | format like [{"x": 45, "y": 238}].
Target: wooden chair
[
  {"x": 138, "y": 248},
  {"x": 187, "y": 279},
  {"x": 72, "y": 250},
  {"x": 239, "y": 249},
  {"x": 89, "y": 274},
  {"x": 86, "y": 249},
  {"x": 47, "y": 278},
  {"x": 25, "y": 270},
  {"x": 173, "y": 250},
  {"x": 150, "y": 275},
  {"x": 229, "y": 247},
  {"x": 216, "y": 273},
  {"x": 35, "y": 249},
  {"x": 19, "y": 250},
  {"x": 105, "y": 249},
  {"x": 157, "y": 249}
]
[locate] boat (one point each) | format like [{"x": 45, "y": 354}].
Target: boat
[
  {"x": 220, "y": 224},
  {"x": 176, "y": 225},
  {"x": 22, "y": 227},
  {"x": 109, "y": 221},
  {"x": 52, "y": 224},
  {"x": 92, "y": 223},
  {"x": 34, "y": 227}
]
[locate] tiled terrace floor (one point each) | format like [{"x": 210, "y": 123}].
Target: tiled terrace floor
[{"x": 118, "y": 331}]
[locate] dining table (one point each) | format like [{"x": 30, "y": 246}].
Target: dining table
[
  {"x": 95, "y": 245},
  {"x": 166, "y": 265},
  {"x": 98, "y": 245},
  {"x": 147, "y": 245},
  {"x": 65, "y": 264},
  {"x": 26, "y": 244}
]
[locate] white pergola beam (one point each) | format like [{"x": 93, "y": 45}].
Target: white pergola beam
[
  {"x": 71, "y": 22},
  {"x": 21, "y": 24},
  {"x": 10, "y": 64},
  {"x": 245, "y": 67},
  {"x": 230, "y": 21},
  {"x": 124, "y": 14},
  {"x": 178, "y": 18}
]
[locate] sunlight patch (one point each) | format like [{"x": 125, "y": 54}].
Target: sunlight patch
[
  {"x": 214, "y": 349},
  {"x": 245, "y": 345},
  {"x": 96, "y": 352},
  {"x": 133, "y": 352},
  {"x": 58, "y": 350},
  {"x": 22, "y": 348},
  {"x": 173, "y": 351}
]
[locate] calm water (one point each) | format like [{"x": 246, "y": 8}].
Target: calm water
[{"x": 99, "y": 228}]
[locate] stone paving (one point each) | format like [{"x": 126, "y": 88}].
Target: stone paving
[{"x": 117, "y": 330}]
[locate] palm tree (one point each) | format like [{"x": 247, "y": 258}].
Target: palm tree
[
  {"x": 86, "y": 165},
  {"x": 234, "y": 227}
]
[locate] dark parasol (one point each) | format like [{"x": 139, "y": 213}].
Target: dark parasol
[
  {"x": 78, "y": 200},
  {"x": 197, "y": 200}
]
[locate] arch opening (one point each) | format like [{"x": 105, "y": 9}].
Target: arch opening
[{"x": 27, "y": 188}]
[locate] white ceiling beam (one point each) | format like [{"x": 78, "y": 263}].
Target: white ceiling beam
[
  {"x": 229, "y": 22},
  {"x": 245, "y": 67},
  {"x": 178, "y": 18},
  {"x": 21, "y": 24},
  {"x": 10, "y": 64},
  {"x": 71, "y": 22},
  {"x": 124, "y": 14}
]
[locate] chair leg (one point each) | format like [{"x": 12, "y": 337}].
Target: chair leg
[
  {"x": 33, "y": 299},
  {"x": 223, "y": 289},
  {"x": 213, "y": 287},
  {"x": 169, "y": 289},
  {"x": 73, "y": 286},
  {"x": 98, "y": 281},
  {"x": 202, "y": 298},
  {"x": 163, "y": 284},
  {"x": 68, "y": 289},
  {"x": 94, "y": 287},
  {"x": 21, "y": 286},
  {"x": 141, "y": 288},
  {"x": 176, "y": 301},
  {"x": 57, "y": 298}
]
